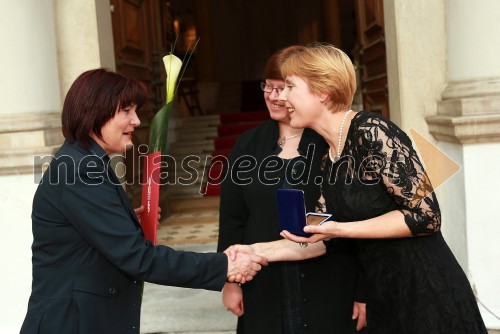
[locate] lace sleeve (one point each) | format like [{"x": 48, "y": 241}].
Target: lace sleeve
[{"x": 402, "y": 173}]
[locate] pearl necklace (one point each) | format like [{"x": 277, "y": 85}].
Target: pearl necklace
[
  {"x": 283, "y": 139},
  {"x": 339, "y": 151}
]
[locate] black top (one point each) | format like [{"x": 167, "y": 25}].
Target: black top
[
  {"x": 414, "y": 285},
  {"x": 248, "y": 214}
]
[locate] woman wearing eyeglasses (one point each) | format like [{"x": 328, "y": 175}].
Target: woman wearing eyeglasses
[
  {"x": 286, "y": 297},
  {"x": 379, "y": 194}
]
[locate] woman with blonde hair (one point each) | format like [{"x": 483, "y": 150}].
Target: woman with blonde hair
[
  {"x": 285, "y": 297},
  {"x": 379, "y": 194}
]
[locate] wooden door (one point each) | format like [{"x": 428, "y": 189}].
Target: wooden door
[
  {"x": 372, "y": 56},
  {"x": 140, "y": 41}
]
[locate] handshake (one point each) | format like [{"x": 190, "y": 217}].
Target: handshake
[{"x": 243, "y": 263}]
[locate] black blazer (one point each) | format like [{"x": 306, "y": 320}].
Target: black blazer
[
  {"x": 325, "y": 287},
  {"x": 90, "y": 257}
]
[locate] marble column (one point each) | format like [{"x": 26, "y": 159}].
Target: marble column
[{"x": 29, "y": 125}]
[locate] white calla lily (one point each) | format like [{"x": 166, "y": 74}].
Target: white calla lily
[{"x": 173, "y": 67}]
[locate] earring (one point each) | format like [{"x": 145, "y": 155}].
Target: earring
[{"x": 321, "y": 100}]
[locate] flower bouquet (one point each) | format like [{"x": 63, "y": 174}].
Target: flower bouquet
[{"x": 157, "y": 145}]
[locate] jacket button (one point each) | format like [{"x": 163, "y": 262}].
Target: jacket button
[{"x": 112, "y": 291}]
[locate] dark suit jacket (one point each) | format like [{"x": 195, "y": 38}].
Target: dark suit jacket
[{"x": 90, "y": 257}]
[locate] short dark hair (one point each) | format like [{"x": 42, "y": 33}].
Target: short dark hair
[
  {"x": 93, "y": 99},
  {"x": 272, "y": 69}
]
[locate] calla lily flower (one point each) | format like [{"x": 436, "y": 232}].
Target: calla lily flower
[
  {"x": 159, "y": 125},
  {"x": 173, "y": 67}
]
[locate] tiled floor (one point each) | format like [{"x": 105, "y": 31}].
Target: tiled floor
[{"x": 189, "y": 228}]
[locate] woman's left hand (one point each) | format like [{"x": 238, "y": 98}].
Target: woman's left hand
[
  {"x": 359, "y": 313},
  {"x": 140, "y": 210},
  {"x": 327, "y": 230}
]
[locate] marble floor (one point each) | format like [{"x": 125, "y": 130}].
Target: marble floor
[{"x": 197, "y": 227}]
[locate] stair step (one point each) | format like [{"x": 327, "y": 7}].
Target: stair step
[
  {"x": 178, "y": 190},
  {"x": 192, "y": 148},
  {"x": 201, "y": 156},
  {"x": 182, "y": 168},
  {"x": 31, "y": 122},
  {"x": 183, "y": 177},
  {"x": 198, "y": 122},
  {"x": 31, "y": 139},
  {"x": 200, "y": 203},
  {"x": 26, "y": 160},
  {"x": 184, "y": 180},
  {"x": 189, "y": 134}
]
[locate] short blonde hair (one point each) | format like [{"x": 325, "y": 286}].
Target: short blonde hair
[{"x": 327, "y": 70}]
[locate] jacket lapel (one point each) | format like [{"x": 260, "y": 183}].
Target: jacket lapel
[{"x": 98, "y": 151}]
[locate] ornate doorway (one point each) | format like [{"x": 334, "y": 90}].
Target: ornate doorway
[{"x": 371, "y": 55}]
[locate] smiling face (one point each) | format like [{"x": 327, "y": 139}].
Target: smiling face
[
  {"x": 277, "y": 109},
  {"x": 117, "y": 132},
  {"x": 303, "y": 106}
]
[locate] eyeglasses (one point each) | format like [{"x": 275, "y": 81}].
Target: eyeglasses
[{"x": 269, "y": 89}]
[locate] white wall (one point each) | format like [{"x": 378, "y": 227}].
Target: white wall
[
  {"x": 473, "y": 39},
  {"x": 482, "y": 184},
  {"x": 16, "y": 196},
  {"x": 473, "y": 45},
  {"x": 29, "y": 79},
  {"x": 451, "y": 197}
]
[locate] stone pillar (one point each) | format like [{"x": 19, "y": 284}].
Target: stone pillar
[
  {"x": 84, "y": 38},
  {"x": 47, "y": 44},
  {"x": 30, "y": 84},
  {"x": 467, "y": 126},
  {"x": 416, "y": 60},
  {"x": 29, "y": 119}
]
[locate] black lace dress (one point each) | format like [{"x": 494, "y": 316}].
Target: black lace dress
[{"x": 414, "y": 285}]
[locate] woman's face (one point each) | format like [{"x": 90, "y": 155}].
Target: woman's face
[
  {"x": 302, "y": 105},
  {"x": 117, "y": 132},
  {"x": 276, "y": 108}
]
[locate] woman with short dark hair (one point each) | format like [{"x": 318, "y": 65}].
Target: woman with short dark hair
[{"x": 90, "y": 257}]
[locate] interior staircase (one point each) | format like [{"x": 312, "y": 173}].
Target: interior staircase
[{"x": 192, "y": 203}]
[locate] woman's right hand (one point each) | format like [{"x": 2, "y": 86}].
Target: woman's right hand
[
  {"x": 232, "y": 298},
  {"x": 327, "y": 230},
  {"x": 232, "y": 251}
]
